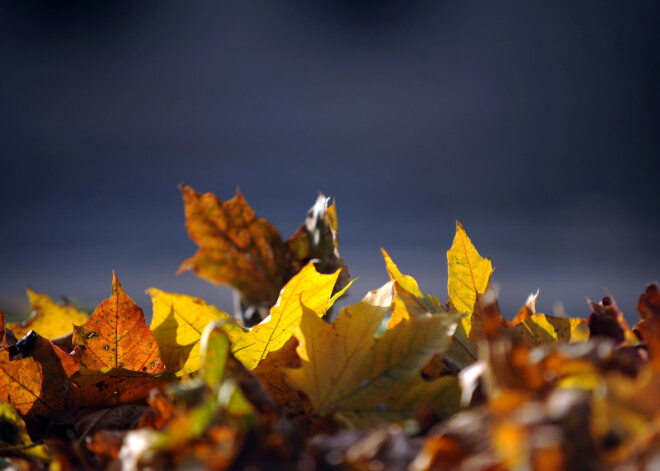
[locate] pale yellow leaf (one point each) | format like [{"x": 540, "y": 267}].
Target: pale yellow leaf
[{"x": 345, "y": 368}]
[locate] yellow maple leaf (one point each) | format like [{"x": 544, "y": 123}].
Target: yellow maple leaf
[
  {"x": 49, "y": 319},
  {"x": 178, "y": 323},
  {"x": 309, "y": 288},
  {"x": 469, "y": 272},
  {"x": 346, "y": 368}
]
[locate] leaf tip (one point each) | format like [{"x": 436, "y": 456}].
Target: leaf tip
[{"x": 116, "y": 285}]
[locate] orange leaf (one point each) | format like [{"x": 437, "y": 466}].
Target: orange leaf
[
  {"x": 38, "y": 384},
  {"x": 117, "y": 336}
]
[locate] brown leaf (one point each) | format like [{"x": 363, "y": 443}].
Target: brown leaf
[
  {"x": 117, "y": 336},
  {"x": 235, "y": 247},
  {"x": 608, "y": 321}
]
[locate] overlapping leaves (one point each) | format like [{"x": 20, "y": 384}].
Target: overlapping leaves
[{"x": 198, "y": 388}]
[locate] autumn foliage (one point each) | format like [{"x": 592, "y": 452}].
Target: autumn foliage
[{"x": 399, "y": 380}]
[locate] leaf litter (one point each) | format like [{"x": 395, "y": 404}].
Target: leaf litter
[{"x": 399, "y": 380}]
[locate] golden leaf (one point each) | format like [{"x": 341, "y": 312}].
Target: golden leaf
[
  {"x": 309, "y": 288},
  {"x": 346, "y": 368},
  {"x": 178, "y": 323},
  {"x": 49, "y": 319}
]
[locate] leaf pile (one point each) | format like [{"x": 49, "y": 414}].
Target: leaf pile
[{"x": 399, "y": 380}]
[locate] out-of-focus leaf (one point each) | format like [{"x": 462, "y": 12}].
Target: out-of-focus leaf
[
  {"x": 177, "y": 324},
  {"x": 606, "y": 320},
  {"x": 271, "y": 374},
  {"x": 14, "y": 437},
  {"x": 37, "y": 384},
  {"x": 235, "y": 247},
  {"x": 117, "y": 336},
  {"x": 345, "y": 368},
  {"x": 309, "y": 288},
  {"x": 49, "y": 319},
  {"x": 317, "y": 239},
  {"x": 649, "y": 327},
  {"x": 541, "y": 329},
  {"x": 214, "y": 350}
]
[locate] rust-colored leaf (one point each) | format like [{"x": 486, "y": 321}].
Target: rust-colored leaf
[
  {"x": 117, "y": 336},
  {"x": 235, "y": 247},
  {"x": 115, "y": 386},
  {"x": 37, "y": 384}
]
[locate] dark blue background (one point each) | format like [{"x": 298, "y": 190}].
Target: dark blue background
[{"x": 534, "y": 123}]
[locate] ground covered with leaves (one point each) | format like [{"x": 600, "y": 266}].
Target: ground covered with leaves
[{"x": 398, "y": 381}]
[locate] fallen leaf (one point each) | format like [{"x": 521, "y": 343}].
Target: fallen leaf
[
  {"x": 235, "y": 247},
  {"x": 177, "y": 324},
  {"x": 49, "y": 319},
  {"x": 317, "y": 239},
  {"x": 37, "y": 384},
  {"x": 606, "y": 320},
  {"x": 117, "y": 336},
  {"x": 214, "y": 349},
  {"x": 115, "y": 386},
  {"x": 408, "y": 299},
  {"x": 469, "y": 273},
  {"x": 247, "y": 253},
  {"x": 346, "y": 368},
  {"x": 309, "y": 288},
  {"x": 541, "y": 329}
]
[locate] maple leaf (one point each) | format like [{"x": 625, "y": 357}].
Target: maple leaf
[
  {"x": 117, "y": 336},
  {"x": 542, "y": 329},
  {"x": 247, "y": 253},
  {"x": 346, "y": 368},
  {"x": 37, "y": 384},
  {"x": 177, "y": 324},
  {"x": 309, "y": 288},
  {"x": 235, "y": 247},
  {"x": 49, "y": 319}
]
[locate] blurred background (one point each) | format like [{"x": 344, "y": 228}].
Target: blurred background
[{"x": 536, "y": 124}]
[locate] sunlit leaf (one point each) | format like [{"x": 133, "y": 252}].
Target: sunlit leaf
[
  {"x": 469, "y": 273},
  {"x": 309, "y": 288},
  {"x": 177, "y": 324},
  {"x": 346, "y": 368},
  {"x": 541, "y": 329},
  {"x": 49, "y": 319},
  {"x": 117, "y": 336}
]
